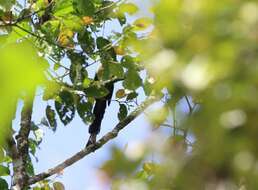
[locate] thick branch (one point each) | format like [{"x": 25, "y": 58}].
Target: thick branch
[
  {"x": 20, "y": 177},
  {"x": 109, "y": 136}
]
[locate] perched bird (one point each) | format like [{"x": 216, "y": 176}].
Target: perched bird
[{"x": 99, "y": 111}]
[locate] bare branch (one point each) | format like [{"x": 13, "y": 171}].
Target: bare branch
[{"x": 90, "y": 149}]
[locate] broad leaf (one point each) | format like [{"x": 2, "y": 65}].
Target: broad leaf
[
  {"x": 84, "y": 108},
  {"x": 84, "y": 7},
  {"x": 50, "y": 113},
  {"x": 4, "y": 171},
  {"x": 116, "y": 70},
  {"x": 129, "y": 8},
  {"x": 3, "y": 184},
  {"x": 132, "y": 80},
  {"x": 142, "y": 24},
  {"x": 63, "y": 7},
  {"x": 58, "y": 186},
  {"x": 96, "y": 91},
  {"x": 65, "y": 107}
]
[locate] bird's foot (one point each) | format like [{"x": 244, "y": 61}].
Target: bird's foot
[{"x": 92, "y": 140}]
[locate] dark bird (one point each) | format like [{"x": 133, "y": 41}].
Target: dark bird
[{"x": 99, "y": 111}]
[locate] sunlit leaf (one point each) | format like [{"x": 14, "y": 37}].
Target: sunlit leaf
[
  {"x": 142, "y": 24},
  {"x": 58, "y": 186},
  {"x": 129, "y": 8},
  {"x": 4, "y": 171}
]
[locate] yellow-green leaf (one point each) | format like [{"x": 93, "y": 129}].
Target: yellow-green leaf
[
  {"x": 129, "y": 8},
  {"x": 142, "y": 23},
  {"x": 58, "y": 186}
]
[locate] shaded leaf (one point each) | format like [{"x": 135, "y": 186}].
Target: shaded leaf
[
  {"x": 3, "y": 184},
  {"x": 84, "y": 7},
  {"x": 65, "y": 107},
  {"x": 86, "y": 41},
  {"x": 96, "y": 91},
  {"x": 132, "y": 96},
  {"x": 84, "y": 109},
  {"x": 122, "y": 112},
  {"x": 50, "y": 114}
]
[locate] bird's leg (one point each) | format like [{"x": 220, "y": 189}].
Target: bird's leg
[{"x": 92, "y": 139}]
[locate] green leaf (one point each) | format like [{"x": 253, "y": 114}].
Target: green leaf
[
  {"x": 142, "y": 175},
  {"x": 51, "y": 28},
  {"x": 96, "y": 91},
  {"x": 77, "y": 73},
  {"x": 38, "y": 135},
  {"x": 128, "y": 62},
  {"x": 116, "y": 70},
  {"x": 142, "y": 24},
  {"x": 63, "y": 7},
  {"x": 132, "y": 80},
  {"x": 7, "y": 4},
  {"x": 129, "y": 8},
  {"x": 86, "y": 83},
  {"x": 58, "y": 186},
  {"x": 51, "y": 91},
  {"x": 73, "y": 22},
  {"x": 149, "y": 167},
  {"x": 50, "y": 114},
  {"x": 147, "y": 87},
  {"x": 3, "y": 184},
  {"x": 7, "y": 160},
  {"x": 33, "y": 146},
  {"x": 107, "y": 51},
  {"x": 84, "y": 108},
  {"x": 4, "y": 171},
  {"x": 65, "y": 107},
  {"x": 86, "y": 41},
  {"x": 84, "y": 7},
  {"x": 132, "y": 96},
  {"x": 103, "y": 43},
  {"x": 1, "y": 155},
  {"x": 121, "y": 19},
  {"x": 56, "y": 66},
  {"x": 122, "y": 112},
  {"x": 30, "y": 168},
  {"x": 125, "y": 167}
]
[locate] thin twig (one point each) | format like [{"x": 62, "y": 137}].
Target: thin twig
[{"x": 189, "y": 105}]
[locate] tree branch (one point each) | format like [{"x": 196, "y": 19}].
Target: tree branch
[
  {"x": 20, "y": 177},
  {"x": 87, "y": 150}
]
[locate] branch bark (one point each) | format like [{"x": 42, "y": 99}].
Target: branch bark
[
  {"x": 20, "y": 177},
  {"x": 90, "y": 149}
]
